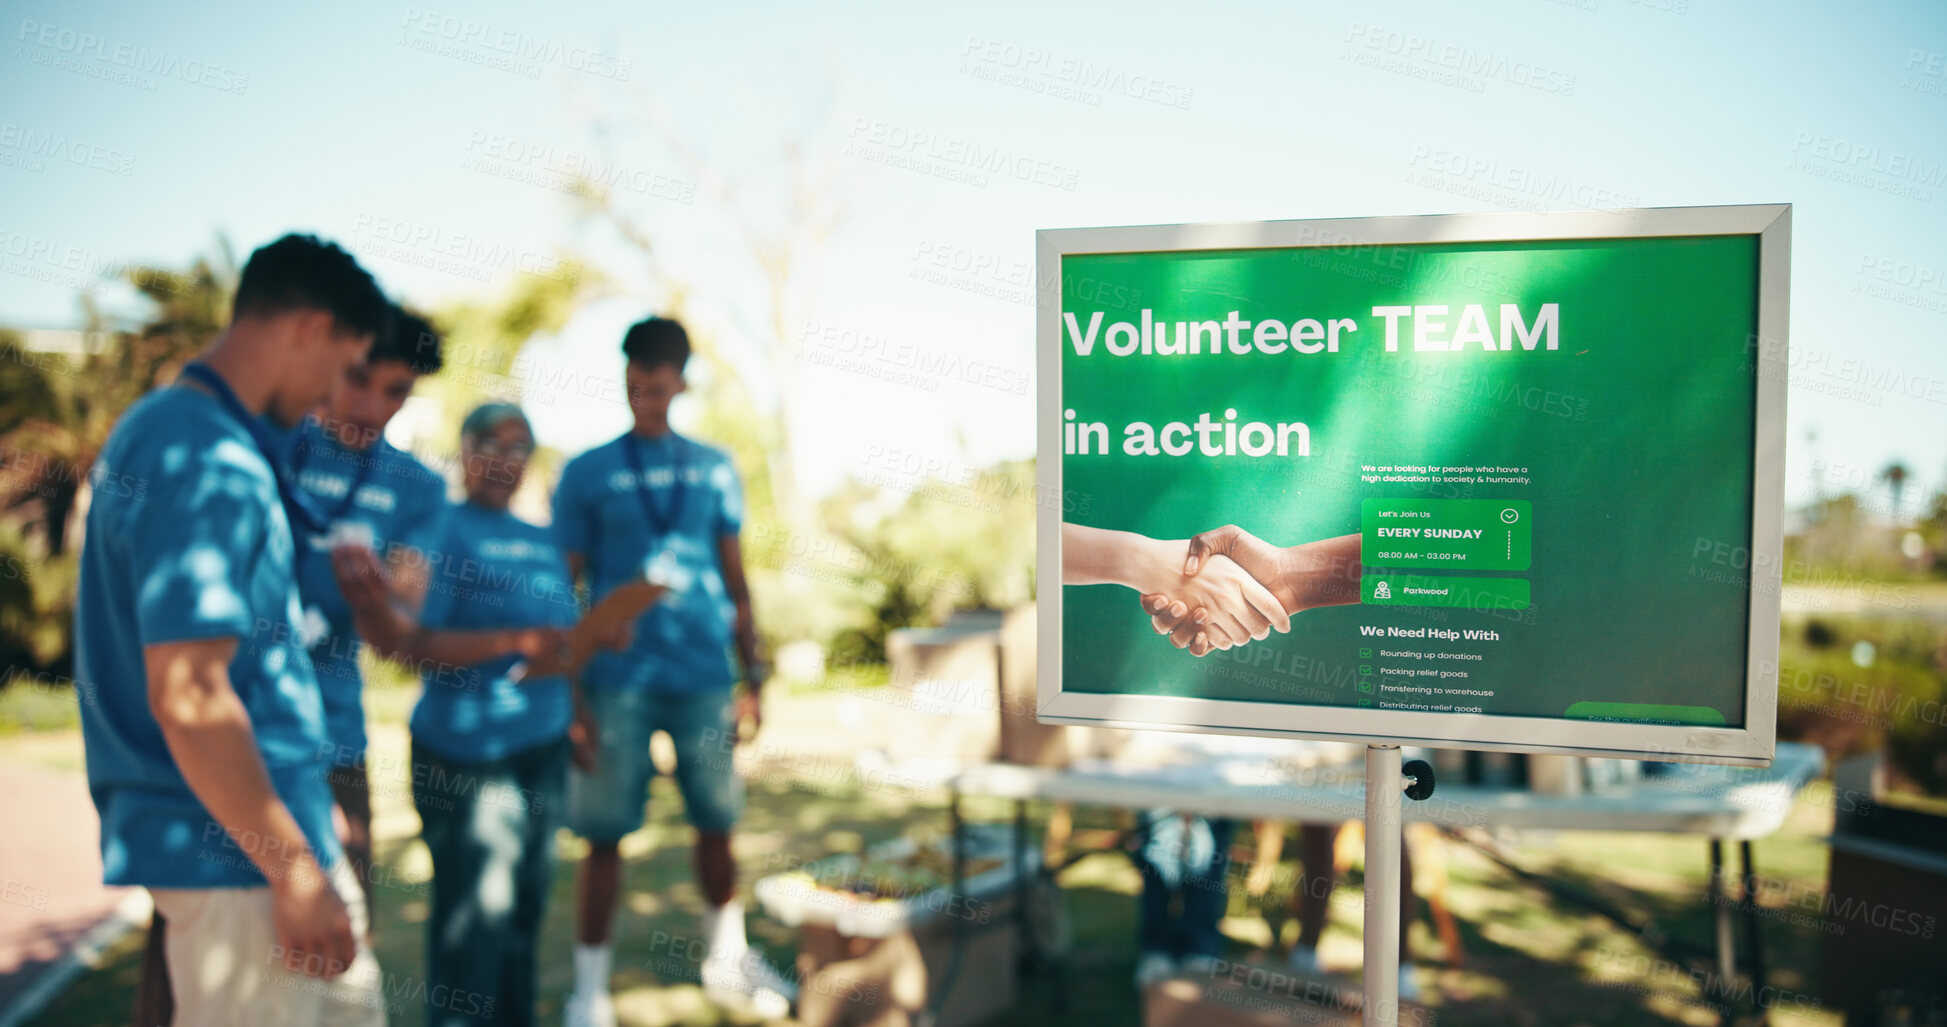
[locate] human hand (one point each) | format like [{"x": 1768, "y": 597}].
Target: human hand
[
  {"x": 1270, "y": 565},
  {"x": 584, "y": 741},
  {"x": 310, "y": 922},
  {"x": 544, "y": 647},
  {"x": 1219, "y": 608},
  {"x": 618, "y": 636},
  {"x": 361, "y": 577},
  {"x": 1230, "y": 606},
  {"x": 1263, "y": 561},
  {"x": 749, "y": 709},
  {"x": 1302, "y": 577}
]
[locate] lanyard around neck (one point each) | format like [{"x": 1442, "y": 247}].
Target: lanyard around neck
[
  {"x": 305, "y": 518},
  {"x": 661, "y": 522}
]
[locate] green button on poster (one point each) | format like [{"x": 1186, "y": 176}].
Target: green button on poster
[
  {"x": 1441, "y": 590},
  {"x": 1471, "y": 534}
]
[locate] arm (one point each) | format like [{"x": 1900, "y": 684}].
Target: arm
[
  {"x": 1236, "y": 608},
  {"x": 408, "y": 575},
  {"x": 385, "y": 623},
  {"x": 421, "y": 532},
  {"x": 1097, "y": 556},
  {"x": 730, "y": 554},
  {"x": 583, "y": 735},
  {"x": 575, "y": 529},
  {"x": 1270, "y": 848},
  {"x": 1302, "y": 577},
  {"x": 1321, "y": 573},
  {"x": 584, "y": 738},
  {"x": 210, "y": 738}
]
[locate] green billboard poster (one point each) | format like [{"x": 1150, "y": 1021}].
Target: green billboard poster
[{"x": 1496, "y": 480}]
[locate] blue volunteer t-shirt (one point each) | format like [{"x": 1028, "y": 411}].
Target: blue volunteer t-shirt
[
  {"x": 493, "y": 570},
  {"x": 664, "y": 522},
  {"x": 402, "y": 502},
  {"x": 186, "y": 540}
]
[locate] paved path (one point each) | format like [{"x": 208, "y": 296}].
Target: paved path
[{"x": 51, "y": 896}]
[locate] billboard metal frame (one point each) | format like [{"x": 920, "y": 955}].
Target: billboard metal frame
[{"x": 1749, "y": 745}]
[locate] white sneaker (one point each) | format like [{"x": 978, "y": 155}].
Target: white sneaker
[
  {"x": 742, "y": 978},
  {"x": 597, "y": 1010},
  {"x": 1153, "y": 967}
]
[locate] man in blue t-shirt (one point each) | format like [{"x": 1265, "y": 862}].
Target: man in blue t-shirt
[
  {"x": 205, "y": 739},
  {"x": 374, "y": 495},
  {"x": 653, "y": 504}
]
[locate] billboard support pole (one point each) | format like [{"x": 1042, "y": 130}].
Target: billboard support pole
[{"x": 1384, "y": 798}]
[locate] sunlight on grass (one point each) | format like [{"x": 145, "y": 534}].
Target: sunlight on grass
[
  {"x": 27, "y": 706},
  {"x": 1528, "y": 957}
]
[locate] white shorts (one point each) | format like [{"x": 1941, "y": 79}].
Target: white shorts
[{"x": 225, "y": 966}]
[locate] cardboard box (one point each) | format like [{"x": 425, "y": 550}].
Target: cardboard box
[
  {"x": 1555, "y": 775},
  {"x": 947, "y": 680},
  {"x": 966, "y": 690},
  {"x": 1249, "y": 995},
  {"x": 1181, "y": 1002},
  {"x": 1885, "y": 903},
  {"x": 1023, "y": 738},
  {"x": 887, "y": 982}
]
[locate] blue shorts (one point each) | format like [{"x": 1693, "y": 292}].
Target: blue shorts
[{"x": 613, "y": 801}]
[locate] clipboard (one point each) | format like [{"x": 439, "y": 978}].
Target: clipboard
[{"x": 629, "y": 601}]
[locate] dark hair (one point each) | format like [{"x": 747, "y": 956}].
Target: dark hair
[
  {"x": 656, "y": 342},
  {"x": 413, "y": 342},
  {"x": 301, "y": 272}
]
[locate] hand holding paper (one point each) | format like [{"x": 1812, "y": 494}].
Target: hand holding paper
[
  {"x": 609, "y": 625},
  {"x": 547, "y": 650}
]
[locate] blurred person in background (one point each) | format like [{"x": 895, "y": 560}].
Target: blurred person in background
[
  {"x": 654, "y": 504},
  {"x": 490, "y": 745},
  {"x": 1311, "y": 901},
  {"x": 377, "y": 496},
  {"x": 206, "y": 745},
  {"x": 1185, "y": 863}
]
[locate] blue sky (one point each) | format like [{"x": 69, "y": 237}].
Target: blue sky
[{"x": 412, "y": 133}]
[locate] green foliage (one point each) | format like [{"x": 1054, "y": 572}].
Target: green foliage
[
  {"x": 20, "y": 614},
  {"x": 943, "y": 546},
  {"x": 38, "y": 703},
  {"x": 1850, "y": 535},
  {"x": 482, "y": 338},
  {"x": 1932, "y": 527},
  {"x": 873, "y": 560},
  {"x": 1896, "y": 699},
  {"x": 56, "y": 411},
  {"x": 27, "y": 392}
]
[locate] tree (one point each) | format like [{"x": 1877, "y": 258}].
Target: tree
[
  {"x": 1894, "y": 475},
  {"x": 56, "y": 411},
  {"x": 483, "y": 339},
  {"x": 780, "y": 217}
]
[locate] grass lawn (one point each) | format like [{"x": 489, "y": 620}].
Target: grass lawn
[{"x": 1529, "y": 958}]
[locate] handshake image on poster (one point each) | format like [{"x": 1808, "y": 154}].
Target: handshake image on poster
[{"x": 1220, "y": 589}]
